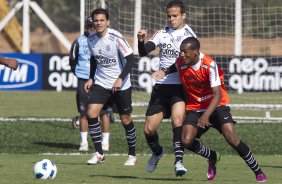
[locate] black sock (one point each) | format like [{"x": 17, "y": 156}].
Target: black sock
[
  {"x": 95, "y": 133},
  {"x": 130, "y": 133},
  {"x": 202, "y": 150},
  {"x": 153, "y": 142},
  {"x": 177, "y": 145},
  {"x": 246, "y": 154}
]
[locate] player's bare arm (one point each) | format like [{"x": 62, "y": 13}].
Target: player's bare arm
[
  {"x": 165, "y": 71},
  {"x": 9, "y": 62},
  {"x": 158, "y": 75},
  {"x": 88, "y": 84},
  {"x": 203, "y": 121},
  {"x": 117, "y": 85},
  {"x": 142, "y": 34}
]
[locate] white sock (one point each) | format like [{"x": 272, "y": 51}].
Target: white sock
[
  {"x": 83, "y": 136},
  {"x": 105, "y": 137}
]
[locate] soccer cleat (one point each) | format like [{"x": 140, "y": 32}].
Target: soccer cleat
[
  {"x": 261, "y": 178},
  {"x": 131, "y": 161},
  {"x": 180, "y": 169},
  {"x": 83, "y": 147},
  {"x": 105, "y": 146},
  {"x": 212, "y": 167},
  {"x": 96, "y": 159},
  {"x": 153, "y": 161}
]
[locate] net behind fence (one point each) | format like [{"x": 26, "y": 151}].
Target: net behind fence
[{"x": 253, "y": 80}]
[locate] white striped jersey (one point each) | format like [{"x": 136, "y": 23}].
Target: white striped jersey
[
  {"x": 169, "y": 40},
  {"x": 110, "y": 52}
]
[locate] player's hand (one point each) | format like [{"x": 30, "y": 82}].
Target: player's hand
[
  {"x": 203, "y": 121},
  {"x": 88, "y": 85},
  {"x": 12, "y": 63},
  {"x": 158, "y": 75},
  {"x": 142, "y": 34},
  {"x": 117, "y": 85}
]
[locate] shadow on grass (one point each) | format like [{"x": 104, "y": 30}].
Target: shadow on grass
[
  {"x": 135, "y": 177},
  {"x": 272, "y": 166},
  {"x": 57, "y": 145}
]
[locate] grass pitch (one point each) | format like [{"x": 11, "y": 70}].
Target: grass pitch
[
  {"x": 23, "y": 143},
  {"x": 17, "y": 169}
]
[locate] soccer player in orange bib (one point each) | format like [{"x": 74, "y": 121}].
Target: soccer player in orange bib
[{"x": 206, "y": 106}]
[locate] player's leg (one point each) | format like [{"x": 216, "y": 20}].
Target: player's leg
[
  {"x": 190, "y": 131},
  {"x": 229, "y": 133},
  {"x": 105, "y": 126},
  {"x": 177, "y": 118},
  {"x": 122, "y": 100},
  {"x": 83, "y": 133},
  {"x": 98, "y": 97},
  {"x": 152, "y": 123},
  {"x": 82, "y": 101},
  {"x": 154, "y": 116}
]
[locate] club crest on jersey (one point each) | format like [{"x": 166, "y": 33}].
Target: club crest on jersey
[
  {"x": 178, "y": 39},
  {"x": 183, "y": 67},
  {"x": 108, "y": 47},
  {"x": 205, "y": 66}
]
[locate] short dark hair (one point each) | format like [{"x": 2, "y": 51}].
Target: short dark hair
[
  {"x": 176, "y": 3},
  {"x": 194, "y": 43},
  {"x": 101, "y": 11}
]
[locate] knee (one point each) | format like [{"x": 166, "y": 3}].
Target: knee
[
  {"x": 125, "y": 119},
  {"x": 177, "y": 121},
  {"x": 231, "y": 138},
  {"x": 149, "y": 131},
  {"x": 187, "y": 141},
  {"x": 91, "y": 113}
]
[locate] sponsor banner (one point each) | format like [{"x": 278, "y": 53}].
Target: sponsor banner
[
  {"x": 253, "y": 74},
  {"x": 52, "y": 72},
  {"x": 242, "y": 74},
  {"x": 57, "y": 73},
  {"x": 26, "y": 77}
]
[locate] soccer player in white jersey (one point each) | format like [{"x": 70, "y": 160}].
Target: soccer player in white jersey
[
  {"x": 79, "y": 60},
  {"x": 167, "y": 98},
  {"x": 113, "y": 63}
]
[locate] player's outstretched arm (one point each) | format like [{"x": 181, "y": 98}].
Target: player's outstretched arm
[
  {"x": 164, "y": 71},
  {"x": 9, "y": 62},
  {"x": 144, "y": 49},
  {"x": 158, "y": 75}
]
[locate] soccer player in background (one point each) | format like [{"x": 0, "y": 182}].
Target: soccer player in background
[
  {"x": 206, "y": 106},
  {"x": 112, "y": 66},
  {"x": 79, "y": 60},
  {"x": 9, "y": 62},
  {"x": 167, "y": 99}
]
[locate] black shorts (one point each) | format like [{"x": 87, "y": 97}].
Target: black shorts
[
  {"x": 120, "y": 101},
  {"x": 163, "y": 97},
  {"x": 220, "y": 116},
  {"x": 82, "y": 97}
]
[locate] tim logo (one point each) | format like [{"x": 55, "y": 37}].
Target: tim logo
[{"x": 26, "y": 75}]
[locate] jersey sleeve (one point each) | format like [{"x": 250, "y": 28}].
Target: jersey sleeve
[
  {"x": 155, "y": 38},
  {"x": 123, "y": 46},
  {"x": 73, "y": 55},
  {"x": 214, "y": 75}
]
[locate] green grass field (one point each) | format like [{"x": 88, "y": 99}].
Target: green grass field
[
  {"x": 17, "y": 169},
  {"x": 23, "y": 143}
]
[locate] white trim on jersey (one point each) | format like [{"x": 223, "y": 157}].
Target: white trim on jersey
[{"x": 214, "y": 75}]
